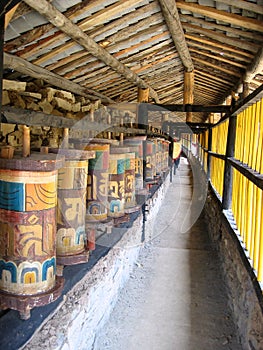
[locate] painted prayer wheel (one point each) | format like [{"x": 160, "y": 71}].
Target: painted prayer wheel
[
  {"x": 97, "y": 188},
  {"x": 138, "y": 143},
  {"x": 116, "y": 190},
  {"x": 28, "y": 200},
  {"x": 150, "y": 170},
  {"x": 71, "y": 211}
]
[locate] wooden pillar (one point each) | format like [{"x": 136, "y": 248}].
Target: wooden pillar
[
  {"x": 143, "y": 95},
  {"x": 189, "y": 92},
  {"x": 209, "y": 155},
  {"x": 228, "y": 173}
]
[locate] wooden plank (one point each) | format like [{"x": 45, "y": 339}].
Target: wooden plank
[
  {"x": 73, "y": 31},
  {"x": 25, "y": 67},
  {"x": 241, "y": 21}
]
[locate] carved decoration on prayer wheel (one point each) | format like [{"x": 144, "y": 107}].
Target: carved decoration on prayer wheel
[
  {"x": 28, "y": 200},
  {"x": 71, "y": 211}
]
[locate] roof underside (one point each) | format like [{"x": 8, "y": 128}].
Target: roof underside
[{"x": 224, "y": 39}]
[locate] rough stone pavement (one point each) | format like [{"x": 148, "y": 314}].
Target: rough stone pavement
[{"x": 175, "y": 298}]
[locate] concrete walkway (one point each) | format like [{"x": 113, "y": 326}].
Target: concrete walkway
[{"x": 176, "y": 298}]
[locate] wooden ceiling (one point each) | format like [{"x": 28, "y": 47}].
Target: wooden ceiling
[{"x": 108, "y": 49}]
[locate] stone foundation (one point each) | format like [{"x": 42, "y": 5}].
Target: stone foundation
[
  {"x": 245, "y": 293},
  {"x": 87, "y": 306}
]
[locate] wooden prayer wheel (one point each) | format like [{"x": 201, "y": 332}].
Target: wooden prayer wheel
[
  {"x": 28, "y": 200},
  {"x": 138, "y": 143},
  {"x": 71, "y": 211},
  {"x": 116, "y": 190}
]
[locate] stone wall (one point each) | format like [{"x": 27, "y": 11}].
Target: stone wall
[
  {"x": 86, "y": 308},
  {"x": 245, "y": 294}
]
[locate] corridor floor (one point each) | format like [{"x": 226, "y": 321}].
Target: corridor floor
[{"x": 175, "y": 298}]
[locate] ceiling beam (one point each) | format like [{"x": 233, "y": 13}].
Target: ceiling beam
[
  {"x": 22, "y": 66},
  {"x": 173, "y": 22},
  {"x": 75, "y": 33}
]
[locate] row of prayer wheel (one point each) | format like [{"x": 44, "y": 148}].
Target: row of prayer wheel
[{"x": 46, "y": 201}]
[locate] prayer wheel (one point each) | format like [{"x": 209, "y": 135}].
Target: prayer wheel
[
  {"x": 150, "y": 171},
  {"x": 71, "y": 211},
  {"x": 97, "y": 188},
  {"x": 116, "y": 190},
  {"x": 28, "y": 201},
  {"x": 138, "y": 143}
]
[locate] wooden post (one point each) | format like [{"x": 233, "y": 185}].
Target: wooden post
[
  {"x": 26, "y": 141},
  {"x": 228, "y": 172},
  {"x": 109, "y": 123},
  {"x": 189, "y": 92},
  {"x": 209, "y": 155}
]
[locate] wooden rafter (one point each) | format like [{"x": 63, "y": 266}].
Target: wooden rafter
[
  {"x": 173, "y": 22},
  {"x": 74, "y": 32}
]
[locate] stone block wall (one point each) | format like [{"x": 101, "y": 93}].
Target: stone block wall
[
  {"x": 86, "y": 308},
  {"x": 244, "y": 291}
]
